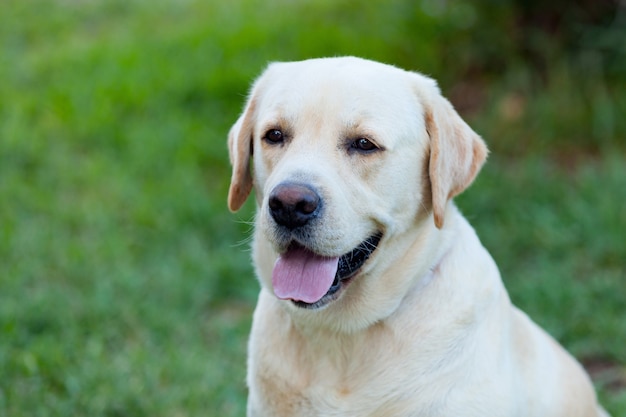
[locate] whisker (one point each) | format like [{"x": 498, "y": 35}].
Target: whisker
[{"x": 246, "y": 241}]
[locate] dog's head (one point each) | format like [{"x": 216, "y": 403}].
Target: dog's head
[{"x": 347, "y": 157}]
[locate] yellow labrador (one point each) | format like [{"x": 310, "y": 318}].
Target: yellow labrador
[{"x": 377, "y": 298}]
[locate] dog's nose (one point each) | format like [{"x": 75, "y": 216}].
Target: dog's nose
[{"x": 293, "y": 205}]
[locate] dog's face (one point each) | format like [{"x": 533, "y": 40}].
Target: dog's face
[{"x": 350, "y": 159}]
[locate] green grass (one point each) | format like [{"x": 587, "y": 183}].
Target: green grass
[{"x": 125, "y": 284}]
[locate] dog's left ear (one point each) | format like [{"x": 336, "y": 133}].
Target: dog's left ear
[
  {"x": 240, "y": 151},
  {"x": 456, "y": 152}
]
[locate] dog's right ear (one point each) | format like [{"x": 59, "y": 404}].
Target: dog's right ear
[{"x": 240, "y": 150}]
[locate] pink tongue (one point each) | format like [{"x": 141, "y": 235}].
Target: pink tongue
[{"x": 301, "y": 275}]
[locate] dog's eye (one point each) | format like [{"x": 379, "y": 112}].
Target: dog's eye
[
  {"x": 363, "y": 145},
  {"x": 274, "y": 136}
]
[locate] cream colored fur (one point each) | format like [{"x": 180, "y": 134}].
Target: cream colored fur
[{"x": 426, "y": 327}]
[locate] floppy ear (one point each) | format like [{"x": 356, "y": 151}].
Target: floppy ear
[
  {"x": 240, "y": 151},
  {"x": 456, "y": 153}
]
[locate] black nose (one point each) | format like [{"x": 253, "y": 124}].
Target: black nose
[{"x": 293, "y": 205}]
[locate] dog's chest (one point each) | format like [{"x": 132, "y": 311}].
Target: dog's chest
[
  {"x": 362, "y": 381},
  {"x": 280, "y": 398}
]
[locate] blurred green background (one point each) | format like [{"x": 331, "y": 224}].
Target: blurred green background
[{"x": 125, "y": 284}]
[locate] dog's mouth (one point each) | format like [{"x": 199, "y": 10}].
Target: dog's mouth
[{"x": 310, "y": 280}]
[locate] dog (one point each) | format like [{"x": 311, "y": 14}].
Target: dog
[{"x": 377, "y": 297}]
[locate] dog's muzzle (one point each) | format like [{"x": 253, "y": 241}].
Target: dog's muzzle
[{"x": 300, "y": 274}]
